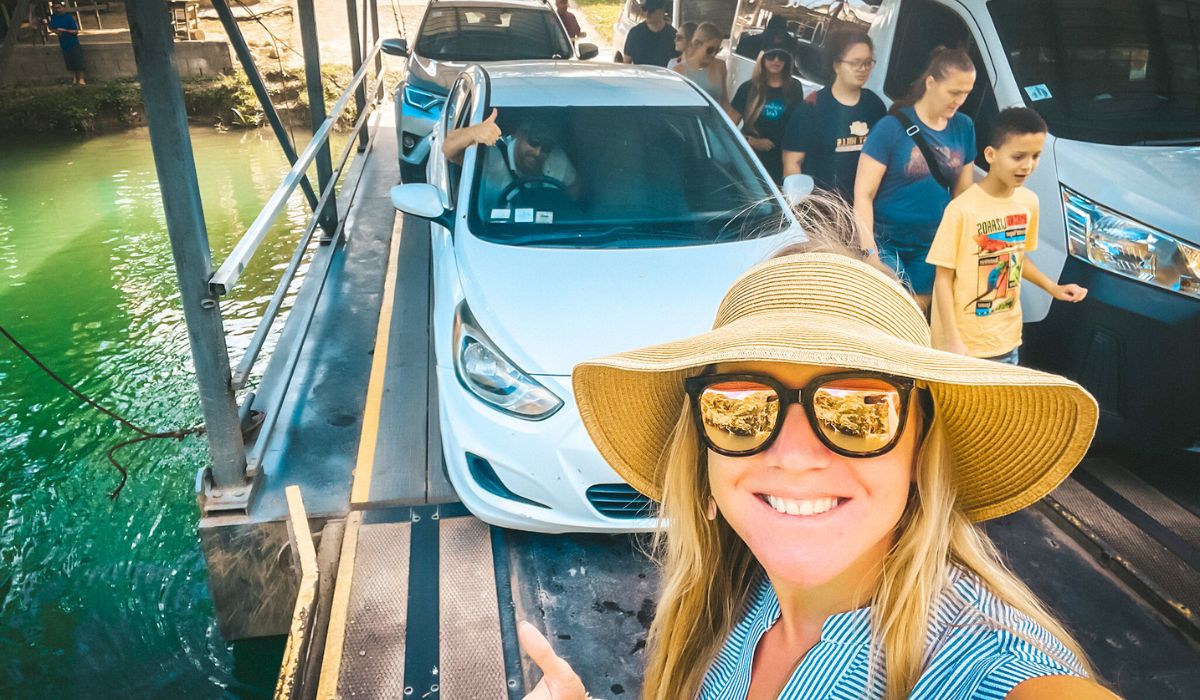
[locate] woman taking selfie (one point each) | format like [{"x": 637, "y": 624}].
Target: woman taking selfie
[
  {"x": 764, "y": 103},
  {"x": 914, "y": 162},
  {"x": 820, "y": 471}
]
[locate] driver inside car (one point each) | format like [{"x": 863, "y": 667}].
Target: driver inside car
[{"x": 528, "y": 159}]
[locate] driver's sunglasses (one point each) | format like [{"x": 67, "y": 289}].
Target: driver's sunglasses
[
  {"x": 855, "y": 414},
  {"x": 544, "y": 145}
]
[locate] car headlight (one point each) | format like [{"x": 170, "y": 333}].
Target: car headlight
[
  {"x": 422, "y": 99},
  {"x": 492, "y": 377},
  {"x": 1117, "y": 243}
]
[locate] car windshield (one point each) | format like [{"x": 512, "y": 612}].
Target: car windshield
[
  {"x": 1107, "y": 71},
  {"x": 491, "y": 34},
  {"x": 618, "y": 177}
]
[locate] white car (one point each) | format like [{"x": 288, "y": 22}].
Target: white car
[{"x": 644, "y": 204}]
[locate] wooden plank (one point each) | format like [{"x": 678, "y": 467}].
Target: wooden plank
[
  {"x": 368, "y": 442},
  {"x": 291, "y": 669},
  {"x": 400, "y": 456},
  {"x": 335, "y": 638}
]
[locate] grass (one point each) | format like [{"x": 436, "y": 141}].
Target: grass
[{"x": 602, "y": 14}]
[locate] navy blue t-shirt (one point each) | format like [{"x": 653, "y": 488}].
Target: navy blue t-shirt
[
  {"x": 908, "y": 194},
  {"x": 831, "y": 137},
  {"x": 65, "y": 21}
]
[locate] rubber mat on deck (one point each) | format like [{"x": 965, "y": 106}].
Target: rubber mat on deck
[
  {"x": 469, "y": 630},
  {"x": 376, "y": 625}
]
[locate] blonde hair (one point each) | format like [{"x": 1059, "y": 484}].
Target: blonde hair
[
  {"x": 708, "y": 570},
  {"x": 705, "y": 32},
  {"x": 760, "y": 85}
]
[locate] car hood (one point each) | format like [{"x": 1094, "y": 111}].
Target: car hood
[
  {"x": 1155, "y": 185},
  {"x": 548, "y": 309},
  {"x": 430, "y": 73}
]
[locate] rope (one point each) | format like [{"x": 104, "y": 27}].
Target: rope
[{"x": 143, "y": 433}]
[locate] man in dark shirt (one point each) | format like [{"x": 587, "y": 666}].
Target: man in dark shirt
[
  {"x": 569, "y": 22},
  {"x": 651, "y": 42}
]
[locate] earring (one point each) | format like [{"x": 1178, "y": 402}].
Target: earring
[{"x": 711, "y": 511}]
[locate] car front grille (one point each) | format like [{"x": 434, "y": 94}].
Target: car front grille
[{"x": 620, "y": 501}]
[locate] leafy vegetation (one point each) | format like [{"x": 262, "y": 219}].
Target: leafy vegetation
[{"x": 226, "y": 101}]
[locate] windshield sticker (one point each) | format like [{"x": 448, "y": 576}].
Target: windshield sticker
[
  {"x": 1038, "y": 92},
  {"x": 501, "y": 214},
  {"x": 544, "y": 217},
  {"x": 523, "y": 216}
]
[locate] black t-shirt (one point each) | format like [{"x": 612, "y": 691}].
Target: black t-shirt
[
  {"x": 769, "y": 125},
  {"x": 831, "y": 136},
  {"x": 650, "y": 47}
]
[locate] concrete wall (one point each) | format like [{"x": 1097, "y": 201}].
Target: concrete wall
[{"x": 44, "y": 64}]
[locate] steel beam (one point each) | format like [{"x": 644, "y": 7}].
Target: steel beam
[
  {"x": 360, "y": 94},
  {"x": 374, "y": 5},
  {"x": 154, "y": 51},
  {"x": 316, "y": 109},
  {"x": 234, "y": 32}
]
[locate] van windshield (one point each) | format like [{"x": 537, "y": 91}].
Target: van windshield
[
  {"x": 1120, "y": 72},
  {"x": 491, "y": 34},
  {"x": 619, "y": 177}
]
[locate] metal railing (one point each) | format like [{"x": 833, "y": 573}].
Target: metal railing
[
  {"x": 225, "y": 279},
  {"x": 228, "y": 482}
]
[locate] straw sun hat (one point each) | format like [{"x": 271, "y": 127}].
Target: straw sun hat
[{"x": 1014, "y": 433}]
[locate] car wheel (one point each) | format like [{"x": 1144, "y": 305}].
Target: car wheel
[{"x": 412, "y": 173}]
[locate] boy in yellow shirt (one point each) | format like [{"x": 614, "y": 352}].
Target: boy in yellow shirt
[{"x": 979, "y": 249}]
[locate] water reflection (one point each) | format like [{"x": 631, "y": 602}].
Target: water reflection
[{"x": 102, "y": 598}]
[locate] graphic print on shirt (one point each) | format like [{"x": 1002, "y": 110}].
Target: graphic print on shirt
[
  {"x": 854, "y": 142},
  {"x": 773, "y": 111},
  {"x": 1001, "y": 244},
  {"x": 918, "y": 167}
]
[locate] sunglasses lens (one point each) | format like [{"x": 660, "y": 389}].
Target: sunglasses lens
[
  {"x": 858, "y": 415},
  {"x": 738, "y": 416}
]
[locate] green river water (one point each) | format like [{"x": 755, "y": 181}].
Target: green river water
[{"x": 105, "y": 598}]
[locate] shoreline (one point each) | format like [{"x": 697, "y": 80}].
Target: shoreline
[{"x": 225, "y": 101}]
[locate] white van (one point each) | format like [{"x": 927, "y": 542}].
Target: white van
[
  {"x": 1118, "y": 82},
  {"x": 719, "y": 12}
]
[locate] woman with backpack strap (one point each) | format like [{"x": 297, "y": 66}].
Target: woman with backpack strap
[{"x": 915, "y": 161}]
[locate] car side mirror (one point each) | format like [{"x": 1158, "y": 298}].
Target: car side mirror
[
  {"x": 424, "y": 201},
  {"x": 796, "y": 188},
  {"x": 395, "y": 47},
  {"x": 587, "y": 51}
]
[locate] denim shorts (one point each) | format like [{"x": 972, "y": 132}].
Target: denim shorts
[{"x": 909, "y": 262}]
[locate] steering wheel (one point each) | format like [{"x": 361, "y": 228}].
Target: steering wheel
[{"x": 535, "y": 182}]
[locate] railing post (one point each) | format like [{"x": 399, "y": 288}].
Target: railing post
[
  {"x": 360, "y": 94},
  {"x": 316, "y": 109},
  {"x": 226, "y": 485},
  {"x": 379, "y": 90},
  {"x": 260, "y": 90}
]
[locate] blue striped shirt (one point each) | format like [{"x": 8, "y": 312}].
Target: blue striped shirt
[{"x": 977, "y": 648}]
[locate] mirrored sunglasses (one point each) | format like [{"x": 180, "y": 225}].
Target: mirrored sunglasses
[{"x": 855, "y": 414}]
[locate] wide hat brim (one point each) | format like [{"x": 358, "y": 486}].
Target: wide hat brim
[{"x": 1014, "y": 433}]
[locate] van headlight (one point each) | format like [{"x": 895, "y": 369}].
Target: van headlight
[
  {"x": 492, "y": 377},
  {"x": 422, "y": 99},
  {"x": 1117, "y": 243}
]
